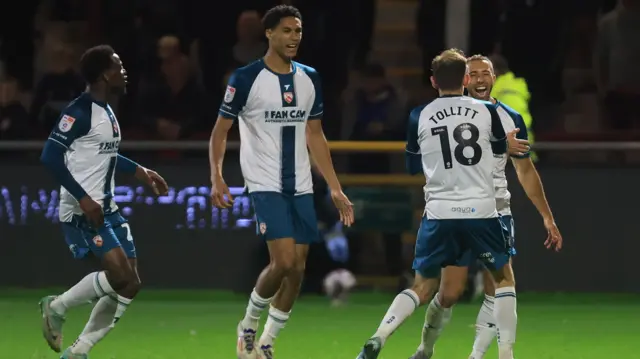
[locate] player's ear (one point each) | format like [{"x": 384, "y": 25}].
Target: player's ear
[
  {"x": 433, "y": 82},
  {"x": 466, "y": 80},
  {"x": 268, "y": 33}
]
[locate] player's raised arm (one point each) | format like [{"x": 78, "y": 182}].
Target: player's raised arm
[
  {"x": 413, "y": 158},
  {"x": 234, "y": 100},
  {"x": 532, "y": 185}
]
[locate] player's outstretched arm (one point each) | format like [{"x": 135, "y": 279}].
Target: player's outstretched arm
[
  {"x": 319, "y": 148},
  {"x": 532, "y": 185},
  {"x": 142, "y": 174},
  {"x": 217, "y": 149}
]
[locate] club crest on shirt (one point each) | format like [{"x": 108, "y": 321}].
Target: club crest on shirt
[
  {"x": 97, "y": 240},
  {"x": 288, "y": 96},
  {"x": 66, "y": 122},
  {"x": 229, "y": 94},
  {"x": 263, "y": 228}
]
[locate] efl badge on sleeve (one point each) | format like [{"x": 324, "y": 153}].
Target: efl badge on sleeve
[
  {"x": 288, "y": 96},
  {"x": 66, "y": 122},
  {"x": 229, "y": 94},
  {"x": 263, "y": 228}
]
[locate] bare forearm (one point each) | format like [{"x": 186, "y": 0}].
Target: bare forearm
[
  {"x": 532, "y": 185},
  {"x": 217, "y": 149},
  {"x": 321, "y": 156}
]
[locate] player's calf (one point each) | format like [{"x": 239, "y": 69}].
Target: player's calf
[
  {"x": 439, "y": 311},
  {"x": 505, "y": 310},
  {"x": 282, "y": 264},
  {"x": 485, "y": 322}
]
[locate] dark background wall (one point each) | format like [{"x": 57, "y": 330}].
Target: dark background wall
[{"x": 183, "y": 242}]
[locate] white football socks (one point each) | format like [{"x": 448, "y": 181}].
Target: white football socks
[
  {"x": 506, "y": 320},
  {"x": 485, "y": 328},
  {"x": 256, "y": 306},
  {"x": 99, "y": 325},
  {"x": 401, "y": 308},
  {"x": 436, "y": 318},
  {"x": 275, "y": 322},
  {"x": 91, "y": 287}
]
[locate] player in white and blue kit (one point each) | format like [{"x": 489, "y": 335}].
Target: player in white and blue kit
[
  {"x": 452, "y": 141},
  {"x": 278, "y": 106},
  {"x": 482, "y": 79},
  {"x": 82, "y": 154}
]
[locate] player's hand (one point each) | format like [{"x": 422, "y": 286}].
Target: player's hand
[
  {"x": 516, "y": 146},
  {"x": 220, "y": 194},
  {"x": 344, "y": 206},
  {"x": 93, "y": 211},
  {"x": 554, "y": 238},
  {"x": 153, "y": 179}
]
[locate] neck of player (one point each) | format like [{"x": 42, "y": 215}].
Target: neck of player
[
  {"x": 458, "y": 92},
  {"x": 99, "y": 93},
  {"x": 277, "y": 63}
]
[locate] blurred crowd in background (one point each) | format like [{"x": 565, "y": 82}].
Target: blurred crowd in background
[{"x": 579, "y": 60}]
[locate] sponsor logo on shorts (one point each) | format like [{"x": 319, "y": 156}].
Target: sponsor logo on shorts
[
  {"x": 487, "y": 257},
  {"x": 263, "y": 228},
  {"x": 97, "y": 240}
]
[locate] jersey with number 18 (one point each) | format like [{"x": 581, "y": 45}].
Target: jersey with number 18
[{"x": 456, "y": 137}]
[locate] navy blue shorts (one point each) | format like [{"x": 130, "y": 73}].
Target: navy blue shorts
[
  {"x": 509, "y": 224},
  {"x": 81, "y": 237},
  {"x": 458, "y": 242},
  {"x": 285, "y": 216}
]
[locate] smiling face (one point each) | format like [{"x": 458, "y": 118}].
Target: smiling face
[
  {"x": 482, "y": 79},
  {"x": 285, "y": 38}
]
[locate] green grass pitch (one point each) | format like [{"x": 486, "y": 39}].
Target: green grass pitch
[{"x": 201, "y": 325}]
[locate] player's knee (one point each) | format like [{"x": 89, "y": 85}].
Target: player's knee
[
  {"x": 284, "y": 265},
  {"x": 299, "y": 268},
  {"x": 504, "y": 277},
  {"x": 449, "y": 296},
  {"x": 425, "y": 289},
  {"x": 124, "y": 279}
]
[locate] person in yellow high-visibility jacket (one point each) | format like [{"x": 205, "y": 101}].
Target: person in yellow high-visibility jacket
[{"x": 513, "y": 92}]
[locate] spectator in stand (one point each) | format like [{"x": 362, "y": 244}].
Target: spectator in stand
[
  {"x": 617, "y": 54},
  {"x": 13, "y": 116},
  {"x": 250, "y": 45},
  {"x": 374, "y": 110},
  {"x": 60, "y": 84},
  {"x": 176, "y": 106}
]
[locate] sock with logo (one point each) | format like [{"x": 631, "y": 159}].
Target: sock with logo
[
  {"x": 89, "y": 288},
  {"x": 485, "y": 328},
  {"x": 401, "y": 308},
  {"x": 256, "y": 306},
  {"x": 506, "y": 320},
  {"x": 435, "y": 319},
  {"x": 275, "y": 323},
  {"x": 99, "y": 325}
]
